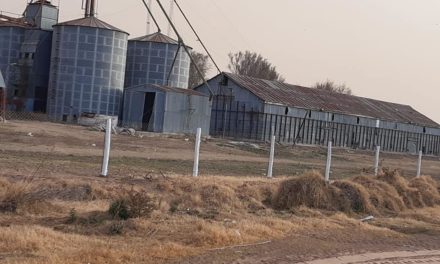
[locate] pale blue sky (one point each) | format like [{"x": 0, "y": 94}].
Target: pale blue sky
[{"x": 388, "y": 50}]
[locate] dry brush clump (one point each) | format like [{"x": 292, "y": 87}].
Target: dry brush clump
[
  {"x": 208, "y": 198},
  {"x": 428, "y": 189},
  {"x": 35, "y": 196},
  {"x": 357, "y": 195},
  {"x": 411, "y": 196},
  {"x": 309, "y": 190},
  {"x": 132, "y": 205},
  {"x": 18, "y": 196},
  {"x": 384, "y": 194}
]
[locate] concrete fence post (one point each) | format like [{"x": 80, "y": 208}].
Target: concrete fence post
[
  {"x": 419, "y": 164},
  {"x": 376, "y": 162},
  {"x": 107, "y": 145},
  {"x": 197, "y": 152},
  {"x": 271, "y": 156},
  {"x": 329, "y": 162}
]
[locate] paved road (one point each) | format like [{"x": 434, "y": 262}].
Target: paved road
[{"x": 402, "y": 257}]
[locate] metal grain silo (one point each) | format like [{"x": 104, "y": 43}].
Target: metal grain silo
[
  {"x": 11, "y": 37},
  {"x": 87, "y": 68},
  {"x": 150, "y": 58}
]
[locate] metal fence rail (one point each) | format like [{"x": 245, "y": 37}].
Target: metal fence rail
[{"x": 251, "y": 125}]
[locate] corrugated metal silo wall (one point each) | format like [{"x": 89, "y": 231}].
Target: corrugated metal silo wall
[
  {"x": 150, "y": 63},
  {"x": 10, "y": 43},
  {"x": 37, "y": 47},
  {"x": 87, "y": 72}
]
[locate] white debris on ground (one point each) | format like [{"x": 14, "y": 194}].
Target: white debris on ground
[
  {"x": 367, "y": 219},
  {"x": 245, "y": 144}
]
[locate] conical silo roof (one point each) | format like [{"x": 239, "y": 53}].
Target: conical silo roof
[
  {"x": 157, "y": 37},
  {"x": 92, "y": 22}
]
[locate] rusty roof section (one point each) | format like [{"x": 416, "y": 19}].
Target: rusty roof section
[
  {"x": 92, "y": 22},
  {"x": 165, "y": 88},
  {"x": 314, "y": 99},
  {"x": 158, "y": 38}
]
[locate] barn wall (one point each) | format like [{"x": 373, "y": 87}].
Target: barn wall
[
  {"x": 238, "y": 113},
  {"x": 134, "y": 100},
  {"x": 174, "y": 112},
  {"x": 185, "y": 113}
]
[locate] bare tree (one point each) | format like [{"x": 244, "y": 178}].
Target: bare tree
[
  {"x": 253, "y": 65},
  {"x": 202, "y": 61},
  {"x": 331, "y": 86}
]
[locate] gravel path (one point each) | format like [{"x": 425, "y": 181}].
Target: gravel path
[{"x": 399, "y": 257}]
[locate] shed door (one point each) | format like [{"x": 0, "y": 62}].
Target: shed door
[{"x": 148, "y": 111}]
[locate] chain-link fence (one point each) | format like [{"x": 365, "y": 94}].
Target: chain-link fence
[{"x": 26, "y": 116}]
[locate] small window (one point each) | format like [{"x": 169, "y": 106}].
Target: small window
[
  {"x": 333, "y": 117},
  {"x": 424, "y": 130},
  {"x": 310, "y": 114},
  {"x": 358, "y": 120},
  {"x": 26, "y": 55},
  {"x": 286, "y": 111}
]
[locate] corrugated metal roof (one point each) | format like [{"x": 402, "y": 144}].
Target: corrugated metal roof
[
  {"x": 4, "y": 23},
  {"x": 90, "y": 22},
  {"x": 168, "y": 89},
  {"x": 158, "y": 38},
  {"x": 314, "y": 99}
]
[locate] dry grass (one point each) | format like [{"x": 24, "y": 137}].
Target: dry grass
[
  {"x": 383, "y": 196},
  {"x": 309, "y": 190},
  {"x": 411, "y": 196},
  {"x": 428, "y": 189},
  {"x": 357, "y": 195},
  {"x": 387, "y": 193},
  {"x": 70, "y": 222}
]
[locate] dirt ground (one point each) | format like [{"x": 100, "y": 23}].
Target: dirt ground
[
  {"x": 221, "y": 217},
  {"x": 59, "y": 148}
]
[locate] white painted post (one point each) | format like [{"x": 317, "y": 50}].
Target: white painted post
[
  {"x": 197, "y": 153},
  {"x": 419, "y": 164},
  {"x": 376, "y": 163},
  {"x": 271, "y": 156},
  {"x": 329, "y": 162},
  {"x": 107, "y": 145}
]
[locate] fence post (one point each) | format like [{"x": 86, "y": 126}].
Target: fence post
[
  {"x": 271, "y": 156},
  {"x": 376, "y": 162},
  {"x": 107, "y": 145},
  {"x": 329, "y": 162},
  {"x": 197, "y": 153},
  {"x": 224, "y": 120},
  {"x": 419, "y": 164},
  {"x": 3, "y": 94}
]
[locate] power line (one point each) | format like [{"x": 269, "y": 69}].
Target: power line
[
  {"x": 185, "y": 47},
  {"x": 197, "y": 35}
]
